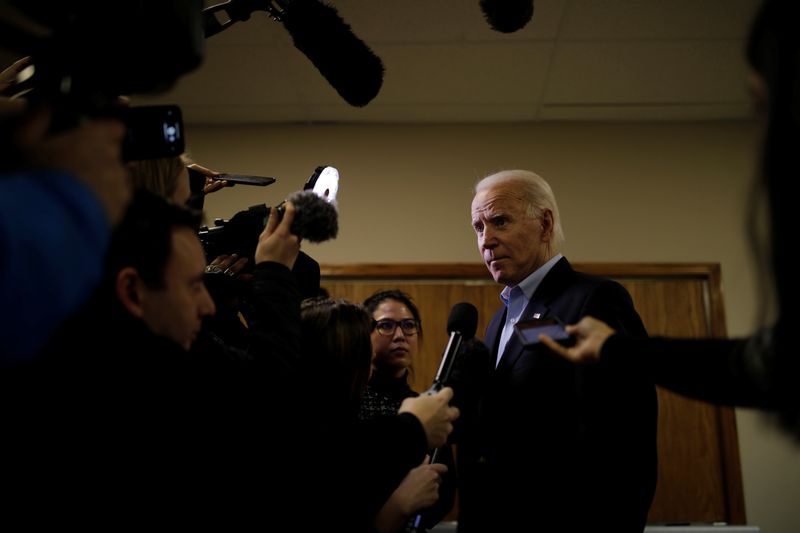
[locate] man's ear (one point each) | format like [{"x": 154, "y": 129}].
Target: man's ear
[
  {"x": 547, "y": 225},
  {"x": 128, "y": 287}
]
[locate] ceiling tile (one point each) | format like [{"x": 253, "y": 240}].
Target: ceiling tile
[
  {"x": 647, "y": 72},
  {"x": 656, "y": 19}
]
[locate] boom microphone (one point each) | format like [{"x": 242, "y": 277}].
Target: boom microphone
[
  {"x": 320, "y": 33},
  {"x": 507, "y": 16},
  {"x": 342, "y": 58}
]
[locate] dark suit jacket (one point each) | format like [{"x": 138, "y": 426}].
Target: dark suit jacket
[{"x": 555, "y": 447}]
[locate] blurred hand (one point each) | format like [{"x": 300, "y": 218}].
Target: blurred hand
[
  {"x": 230, "y": 265},
  {"x": 277, "y": 243},
  {"x": 589, "y": 333},
  {"x": 435, "y": 414},
  {"x": 8, "y": 78}
]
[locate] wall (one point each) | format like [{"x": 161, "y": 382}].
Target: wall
[{"x": 627, "y": 192}]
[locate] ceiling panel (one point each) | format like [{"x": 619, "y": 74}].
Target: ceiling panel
[
  {"x": 671, "y": 20},
  {"x": 651, "y": 72},
  {"x": 577, "y": 60}
]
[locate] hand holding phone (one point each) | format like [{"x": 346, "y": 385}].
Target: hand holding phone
[{"x": 528, "y": 331}]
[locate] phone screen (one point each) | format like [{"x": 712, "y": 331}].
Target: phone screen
[
  {"x": 152, "y": 132},
  {"x": 529, "y": 330}
]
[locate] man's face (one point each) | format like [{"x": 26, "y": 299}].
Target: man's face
[
  {"x": 511, "y": 243},
  {"x": 176, "y": 310}
]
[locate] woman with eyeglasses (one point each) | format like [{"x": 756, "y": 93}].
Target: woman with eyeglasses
[
  {"x": 396, "y": 338},
  {"x": 371, "y": 456}
]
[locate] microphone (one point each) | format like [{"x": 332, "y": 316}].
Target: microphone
[
  {"x": 315, "y": 219},
  {"x": 507, "y": 16},
  {"x": 342, "y": 58},
  {"x": 461, "y": 325},
  {"x": 320, "y": 33}
]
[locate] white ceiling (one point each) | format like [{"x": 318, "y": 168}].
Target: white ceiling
[{"x": 577, "y": 60}]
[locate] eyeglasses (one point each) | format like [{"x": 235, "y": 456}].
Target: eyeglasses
[{"x": 387, "y": 326}]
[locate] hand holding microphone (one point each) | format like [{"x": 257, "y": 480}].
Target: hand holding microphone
[
  {"x": 434, "y": 413},
  {"x": 461, "y": 325}
]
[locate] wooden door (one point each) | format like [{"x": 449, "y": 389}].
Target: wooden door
[{"x": 699, "y": 470}]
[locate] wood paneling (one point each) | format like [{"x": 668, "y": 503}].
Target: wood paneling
[{"x": 699, "y": 471}]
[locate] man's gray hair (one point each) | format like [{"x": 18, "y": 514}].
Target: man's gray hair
[{"x": 534, "y": 190}]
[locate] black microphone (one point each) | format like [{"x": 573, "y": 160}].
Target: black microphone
[
  {"x": 342, "y": 58},
  {"x": 315, "y": 219},
  {"x": 507, "y": 16},
  {"x": 461, "y": 325},
  {"x": 320, "y": 33}
]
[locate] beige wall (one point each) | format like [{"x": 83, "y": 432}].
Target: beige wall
[{"x": 627, "y": 192}]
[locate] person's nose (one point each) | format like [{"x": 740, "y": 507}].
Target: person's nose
[
  {"x": 487, "y": 240},
  {"x": 398, "y": 334}
]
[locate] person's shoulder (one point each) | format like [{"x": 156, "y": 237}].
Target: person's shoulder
[{"x": 595, "y": 281}]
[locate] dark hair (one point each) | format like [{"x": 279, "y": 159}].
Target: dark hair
[
  {"x": 773, "y": 50},
  {"x": 143, "y": 239},
  {"x": 337, "y": 349},
  {"x": 372, "y": 303}
]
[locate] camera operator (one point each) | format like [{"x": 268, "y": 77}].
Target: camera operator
[
  {"x": 60, "y": 162},
  {"x": 225, "y": 280},
  {"x": 61, "y": 195},
  {"x": 151, "y": 431}
]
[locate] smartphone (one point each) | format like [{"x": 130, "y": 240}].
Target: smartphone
[
  {"x": 152, "y": 132},
  {"x": 261, "y": 181},
  {"x": 528, "y": 331}
]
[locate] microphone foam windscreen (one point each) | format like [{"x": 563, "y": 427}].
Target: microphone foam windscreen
[
  {"x": 315, "y": 219},
  {"x": 342, "y": 58},
  {"x": 463, "y": 319},
  {"x": 507, "y": 16}
]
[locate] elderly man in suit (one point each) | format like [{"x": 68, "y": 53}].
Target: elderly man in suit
[{"x": 552, "y": 447}]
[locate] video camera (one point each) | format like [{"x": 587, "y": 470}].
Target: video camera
[
  {"x": 316, "y": 219},
  {"x": 86, "y": 54}
]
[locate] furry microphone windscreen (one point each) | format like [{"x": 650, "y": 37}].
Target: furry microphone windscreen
[
  {"x": 507, "y": 16},
  {"x": 342, "y": 58},
  {"x": 315, "y": 220}
]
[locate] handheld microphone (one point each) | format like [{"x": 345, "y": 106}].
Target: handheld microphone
[
  {"x": 507, "y": 16},
  {"x": 320, "y": 33},
  {"x": 461, "y": 325}
]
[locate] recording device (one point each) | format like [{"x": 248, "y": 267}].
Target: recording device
[
  {"x": 528, "y": 331},
  {"x": 152, "y": 132},
  {"x": 316, "y": 219},
  {"x": 461, "y": 325},
  {"x": 86, "y": 54},
  {"x": 233, "y": 179},
  {"x": 320, "y": 33},
  {"x": 507, "y": 16}
]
